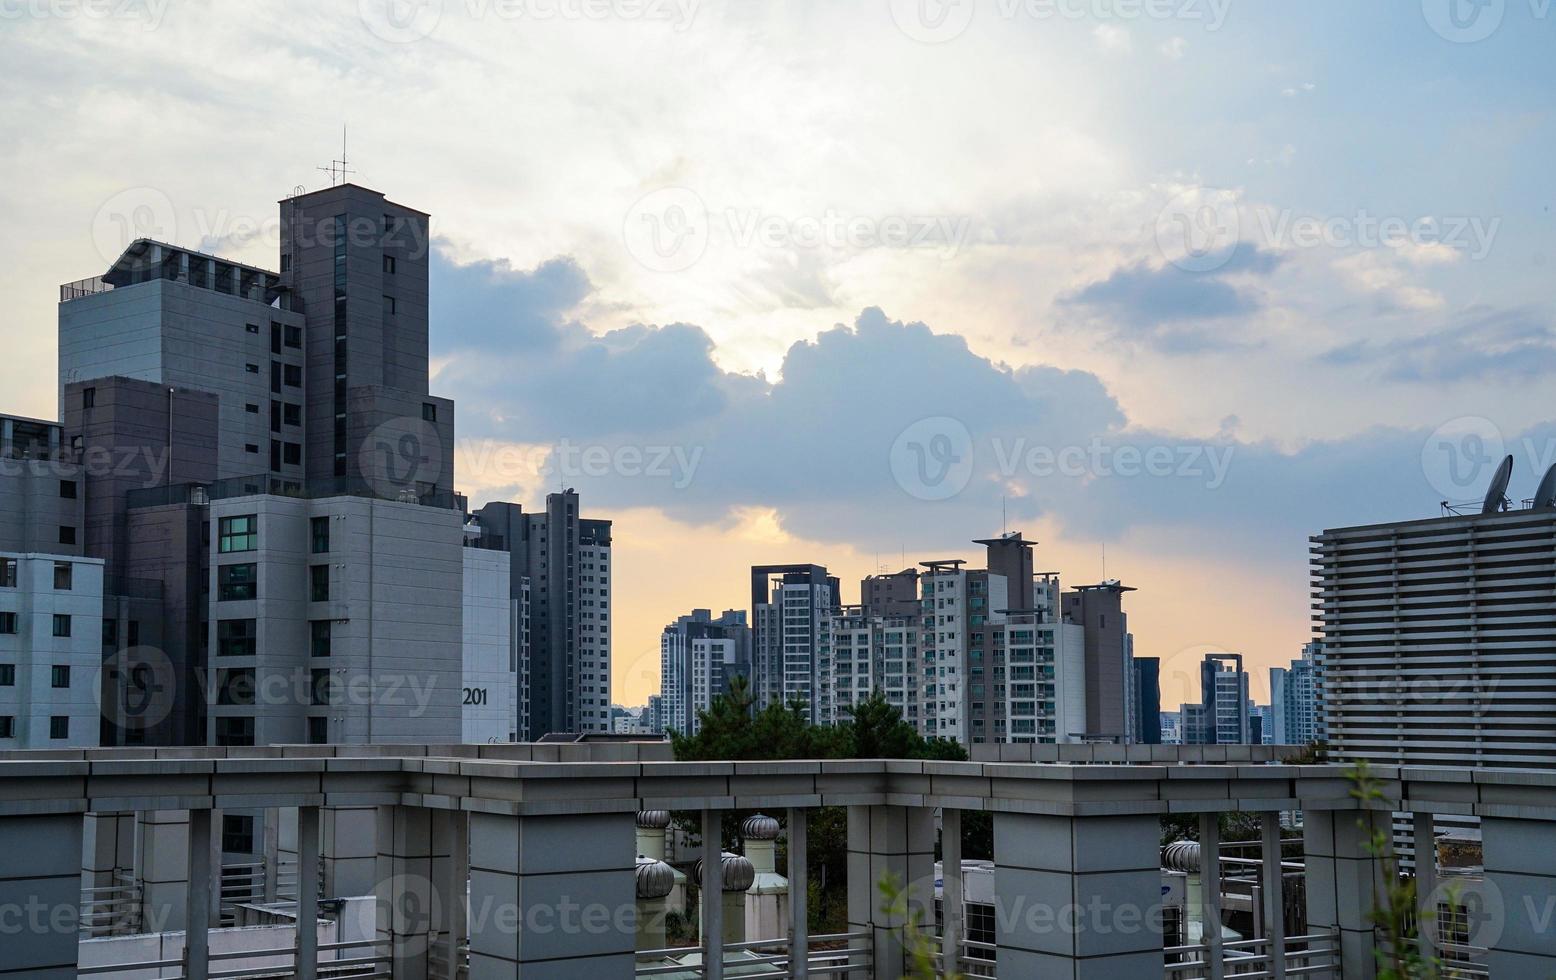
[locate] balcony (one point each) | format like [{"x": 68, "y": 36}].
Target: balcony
[{"x": 556, "y": 860}]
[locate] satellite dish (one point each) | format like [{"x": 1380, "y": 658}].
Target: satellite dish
[
  {"x": 1496, "y": 496},
  {"x": 1545, "y": 495}
]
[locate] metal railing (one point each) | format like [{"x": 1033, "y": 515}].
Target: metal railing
[
  {"x": 834, "y": 954},
  {"x": 111, "y": 910},
  {"x": 1314, "y": 954},
  {"x": 377, "y": 961}
]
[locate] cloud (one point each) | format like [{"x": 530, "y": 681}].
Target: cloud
[
  {"x": 1293, "y": 91},
  {"x": 1487, "y": 346},
  {"x": 816, "y": 445},
  {"x": 1166, "y": 307},
  {"x": 1173, "y": 48}
]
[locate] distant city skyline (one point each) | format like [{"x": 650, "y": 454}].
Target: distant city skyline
[{"x": 831, "y": 290}]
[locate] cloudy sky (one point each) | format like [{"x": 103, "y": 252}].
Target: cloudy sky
[{"x": 1166, "y": 284}]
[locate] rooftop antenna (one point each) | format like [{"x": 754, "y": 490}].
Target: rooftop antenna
[
  {"x": 1496, "y": 495},
  {"x": 338, "y": 169},
  {"x": 1004, "y": 521}
]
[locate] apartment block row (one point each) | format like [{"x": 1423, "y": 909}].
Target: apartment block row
[
  {"x": 994, "y": 654},
  {"x": 243, "y": 527}
]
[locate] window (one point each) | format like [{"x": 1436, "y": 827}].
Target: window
[
  {"x": 88, "y": 397},
  {"x": 294, "y": 376},
  {"x": 320, "y": 526},
  {"x": 7, "y": 624},
  {"x": 110, "y": 632},
  {"x": 275, "y": 338},
  {"x": 237, "y": 834},
  {"x": 251, "y": 408},
  {"x": 294, "y": 336},
  {"x": 59, "y": 727},
  {"x": 275, "y": 416},
  {"x": 251, "y": 368},
  {"x": 321, "y": 685},
  {"x": 61, "y": 626},
  {"x": 389, "y": 264},
  {"x": 286, "y": 262},
  {"x": 235, "y": 686},
  {"x": 67, "y": 534},
  {"x": 389, "y": 305},
  {"x": 319, "y": 583},
  {"x": 251, "y": 447},
  {"x": 251, "y": 327},
  {"x": 237, "y": 534},
  {"x": 275, "y": 456},
  {"x": 62, "y": 576},
  {"x": 59, "y": 677},
  {"x": 134, "y": 635},
  {"x": 235, "y": 583},
  {"x": 67, "y": 489},
  {"x": 7, "y": 675},
  {"x": 292, "y": 414},
  {"x": 7, "y": 573},
  {"x": 319, "y": 638},
  {"x": 429, "y": 412},
  {"x": 293, "y": 454},
  {"x": 235, "y": 638},
  {"x": 275, "y": 377},
  {"x": 234, "y": 731},
  {"x": 318, "y": 731}
]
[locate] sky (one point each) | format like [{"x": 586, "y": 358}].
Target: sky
[{"x": 1167, "y": 285}]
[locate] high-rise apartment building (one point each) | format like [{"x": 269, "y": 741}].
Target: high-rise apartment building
[
  {"x": 561, "y": 577},
  {"x": 876, "y": 652},
  {"x": 1146, "y": 700},
  {"x": 698, "y": 658},
  {"x": 1296, "y": 718},
  {"x": 792, "y": 608},
  {"x": 1222, "y": 716},
  {"x": 1439, "y": 640},
  {"x": 1099, "y": 609},
  {"x": 261, "y": 469}
]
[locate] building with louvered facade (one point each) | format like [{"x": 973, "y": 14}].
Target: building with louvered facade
[{"x": 1439, "y": 640}]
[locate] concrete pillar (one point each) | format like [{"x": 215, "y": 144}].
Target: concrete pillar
[
  {"x": 1424, "y": 851},
  {"x": 953, "y": 909},
  {"x": 898, "y": 843},
  {"x": 411, "y": 914},
  {"x": 1516, "y": 917},
  {"x": 1078, "y": 897},
  {"x": 710, "y": 919},
  {"x": 348, "y": 850},
  {"x": 307, "y": 960},
  {"x": 108, "y": 858},
  {"x": 197, "y": 940},
  {"x": 552, "y": 896},
  {"x": 1274, "y": 896},
  {"x": 270, "y": 851},
  {"x": 163, "y": 869},
  {"x": 40, "y": 881},
  {"x": 1210, "y": 893},
  {"x": 451, "y": 873},
  {"x": 1343, "y": 878},
  {"x": 799, "y": 893}
]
